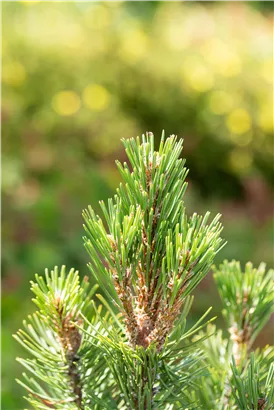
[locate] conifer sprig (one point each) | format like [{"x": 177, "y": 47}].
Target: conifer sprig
[
  {"x": 147, "y": 379},
  {"x": 247, "y": 296},
  {"x": 61, "y": 357},
  {"x": 151, "y": 254},
  {"x": 254, "y": 389},
  {"x": 248, "y": 302}
]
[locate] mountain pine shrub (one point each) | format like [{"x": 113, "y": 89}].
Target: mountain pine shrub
[{"x": 124, "y": 343}]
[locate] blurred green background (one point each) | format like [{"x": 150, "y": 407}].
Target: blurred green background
[{"x": 79, "y": 76}]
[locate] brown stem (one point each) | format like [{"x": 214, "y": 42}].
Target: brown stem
[
  {"x": 70, "y": 339},
  {"x": 76, "y": 383}
]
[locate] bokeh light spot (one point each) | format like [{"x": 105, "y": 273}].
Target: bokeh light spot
[
  {"x": 197, "y": 75},
  {"x": 66, "y": 103},
  {"x": 134, "y": 46},
  {"x": 220, "y": 102},
  {"x": 224, "y": 61},
  {"x": 175, "y": 36},
  {"x": 238, "y": 121},
  {"x": 267, "y": 71},
  {"x": 240, "y": 160},
  {"x": 13, "y": 74},
  {"x": 96, "y": 97}
]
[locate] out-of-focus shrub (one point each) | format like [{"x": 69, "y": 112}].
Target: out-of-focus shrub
[
  {"x": 105, "y": 70},
  {"x": 78, "y": 76}
]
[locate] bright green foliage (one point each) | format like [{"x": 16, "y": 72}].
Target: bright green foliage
[
  {"x": 150, "y": 255},
  {"x": 247, "y": 297},
  {"x": 62, "y": 356},
  {"x": 248, "y": 391},
  {"x": 134, "y": 351},
  {"x": 217, "y": 353},
  {"x": 146, "y": 379}
]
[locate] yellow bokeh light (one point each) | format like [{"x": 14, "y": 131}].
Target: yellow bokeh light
[
  {"x": 175, "y": 36},
  {"x": 266, "y": 118},
  {"x": 96, "y": 97},
  {"x": 66, "y": 103},
  {"x": 230, "y": 65},
  {"x": 240, "y": 160},
  {"x": 72, "y": 36},
  {"x": 197, "y": 75},
  {"x": 267, "y": 71},
  {"x": 13, "y": 74},
  {"x": 220, "y": 102},
  {"x": 224, "y": 61},
  {"x": 238, "y": 121},
  {"x": 134, "y": 46}
]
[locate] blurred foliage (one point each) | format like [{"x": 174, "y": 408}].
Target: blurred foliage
[{"x": 78, "y": 76}]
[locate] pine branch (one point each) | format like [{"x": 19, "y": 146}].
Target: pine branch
[
  {"x": 248, "y": 302},
  {"x": 247, "y": 298},
  {"x": 254, "y": 390},
  {"x": 60, "y": 359},
  {"x": 148, "y": 256},
  {"x": 151, "y": 255}
]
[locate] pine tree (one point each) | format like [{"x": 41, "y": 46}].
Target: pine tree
[{"x": 125, "y": 343}]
